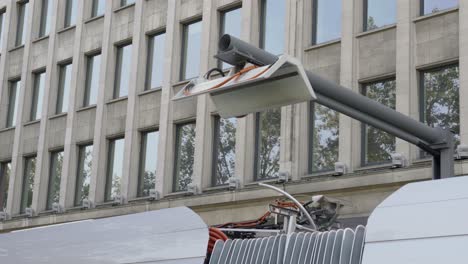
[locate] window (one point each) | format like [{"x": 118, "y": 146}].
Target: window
[
  {"x": 13, "y": 96},
  {"x": 55, "y": 174},
  {"x": 379, "y": 13},
  {"x": 93, "y": 64},
  {"x": 440, "y": 99},
  {"x": 230, "y": 24},
  {"x": 327, "y": 21},
  {"x": 191, "y": 50},
  {"x": 5, "y": 171},
  {"x": 70, "y": 13},
  {"x": 272, "y": 26},
  {"x": 122, "y": 70},
  {"x": 2, "y": 17},
  {"x": 148, "y": 162},
  {"x": 65, "y": 72},
  {"x": 126, "y": 2},
  {"x": 83, "y": 177},
  {"x": 377, "y": 144},
  {"x": 155, "y": 64},
  {"x": 224, "y": 150},
  {"x": 114, "y": 168},
  {"x": 21, "y": 22},
  {"x": 433, "y": 6},
  {"x": 37, "y": 96},
  {"x": 28, "y": 183},
  {"x": 323, "y": 142},
  {"x": 268, "y": 129},
  {"x": 98, "y": 8},
  {"x": 46, "y": 14},
  {"x": 184, "y": 156}
]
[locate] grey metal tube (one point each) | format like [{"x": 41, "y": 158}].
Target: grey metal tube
[
  {"x": 252, "y": 54},
  {"x": 357, "y": 102},
  {"x": 372, "y": 108}
]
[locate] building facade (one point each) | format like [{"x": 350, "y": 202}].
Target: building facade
[{"x": 86, "y": 111}]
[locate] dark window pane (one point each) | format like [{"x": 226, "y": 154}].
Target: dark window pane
[
  {"x": 231, "y": 24},
  {"x": 55, "y": 174},
  {"x": 327, "y": 20},
  {"x": 114, "y": 168},
  {"x": 70, "y": 12},
  {"x": 64, "y": 88},
  {"x": 185, "y": 151},
  {"x": 191, "y": 50},
  {"x": 38, "y": 93},
  {"x": 224, "y": 150},
  {"x": 46, "y": 14},
  {"x": 122, "y": 71},
  {"x": 155, "y": 69},
  {"x": 13, "y": 97},
  {"x": 126, "y": 2},
  {"x": 268, "y": 144},
  {"x": 324, "y": 138},
  {"x": 380, "y": 13},
  {"x": 28, "y": 183},
  {"x": 98, "y": 8},
  {"x": 273, "y": 25},
  {"x": 441, "y": 99},
  {"x": 83, "y": 179},
  {"x": 2, "y": 30},
  {"x": 5, "y": 170},
  {"x": 23, "y": 11},
  {"x": 379, "y": 145},
  {"x": 148, "y": 163},
  {"x": 93, "y": 66},
  {"x": 433, "y": 6}
]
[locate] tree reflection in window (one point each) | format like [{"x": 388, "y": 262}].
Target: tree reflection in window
[
  {"x": 224, "y": 149},
  {"x": 268, "y": 144},
  {"x": 440, "y": 99},
  {"x": 185, "y": 151},
  {"x": 324, "y": 138},
  {"x": 378, "y": 145}
]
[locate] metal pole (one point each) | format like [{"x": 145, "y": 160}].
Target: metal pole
[{"x": 438, "y": 142}]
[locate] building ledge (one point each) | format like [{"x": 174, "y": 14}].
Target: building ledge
[
  {"x": 57, "y": 115},
  {"x": 376, "y": 30},
  {"x": 323, "y": 44},
  {"x": 66, "y": 29},
  {"x": 16, "y": 48},
  {"x": 91, "y": 19},
  {"x": 120, "y": 8},
  {"x": 436, "y": 14},
  {"x": 152, "y": 90},
  {"x": 32, "y": 122},
  {"x": 40, "y": 38},
  {"x": 82, "y": 109},
  {"x": 123, "y": 98}
]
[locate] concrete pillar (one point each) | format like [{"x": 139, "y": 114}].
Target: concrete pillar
[
  {"x": 7, "y": 29},
  {"x": 41, "y": 180},
  {"x": 131, "y": 156},
  {"x": 349, "y": 129},
  {"x": 14, "y": 199},
  {"x": 245, "y": 134},
  {"x": 164, "y": 172},
  {"x": 463, "y": 38},
  {"x": 70, "y": 158},
  {"x": 204, "y": 126},
  {"x": 98, "y": 171},
  {"x": 406, "y": 75}
]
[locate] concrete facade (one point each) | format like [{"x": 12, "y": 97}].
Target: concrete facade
[{"x": 400, "y": 50}]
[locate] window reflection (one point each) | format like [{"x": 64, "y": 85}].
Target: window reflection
[
  {"x": 55, "y": 175},
  {"x": 323, "y": 150},
  {"x": 327, "y": 24},
  {"x": 231, "y": 24},
  {"x": 83, "y": 179},
  {"x": 273, "y": 26},
  {"x": 268, "y": 144},
  {"x": 224, "y": 150},
  {"x": 185, "y": 152},
  {"x": 28, "y": 183},
  {"x": 191, "y": 50},
  {"x": 379, "y": 145},
  {"x": 93, "y": 66},
  {"x": 148, "y": 162},
  {"x": 13, "y": 97},
  {"x": 155, "y": 69},
  {"x": 64, "y": 88},
  {"x": 380, "y": 13},
  {"x": 5, "y": 171},
  {"x": 38, "y": 92},
  {"x": 122, "y": 71},
  {"x": 434, "y": 6},
  {"x": 114, "y": 168}
]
